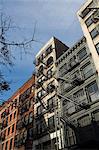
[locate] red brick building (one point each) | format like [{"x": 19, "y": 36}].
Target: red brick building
[{"x": 16, "y": 118}]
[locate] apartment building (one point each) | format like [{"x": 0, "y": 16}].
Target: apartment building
[
  {"x": 46, "y": 135},
  {"x": 88, "y": 16},
  {"x": 24, "y": 129},
  {"x": 79, "y": 96},
  {"x": 16, "y": 119},
  {"x": 8, "y": 120}
]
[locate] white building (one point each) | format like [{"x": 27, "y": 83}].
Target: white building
[{"x": 46, "y": 131}]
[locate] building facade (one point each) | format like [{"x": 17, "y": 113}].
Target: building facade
[
  {"x": 80, "y": 104},
  {"x": 24, "y": 129},
  {"x": 16, "y": 119},
  {"x": 46, "y": 132},
  {"x": 88, "y": 16},
  {"x": 8, "y": 120}
]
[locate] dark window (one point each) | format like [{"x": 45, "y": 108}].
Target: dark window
[
  {"x": 94, "y": 32},
  {"x": 10, "y": 117},
  {"x": 92, "y": 88},
  {"x": 49, "y": 50},
  {"x": 87, "y": 70},
  {"x": 86, "y": 10},
  {"x": 89, "y": 21},
  {"x": 50, "y": 87},
  {"x": 51, "y": 122},
  {"x": 63, "y": 70},
  {"x": 40, "y": 70},
  {"x": 50, "y": 102},
  {"x": 12, "y": 128},
  {"x": 11, "y": 144},
  {"x": 6, "y": 146},
  {"x": 82, "y": 53},
  {"x": 8, "y": 130},
  {"x": 11, "y": 106},
  {"x": 97, "y": 48},
  {"x": 50, "y": 61},
  {"x": 30, "y": 133}
]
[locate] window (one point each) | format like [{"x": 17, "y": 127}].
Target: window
[
  {"x": 50, "y": 87},
  {"x": 84, "y": 121},
  {"x": 86, "y": 10},
  {"x": 10, "y": 117},
  {"x": 11, "y": 144},
  {"x": 3, "y": 146},
  {"x": 30, "y": 117},
  {"x": 71, "y": 140},
  {"x": 82, "y": 53},
  {"x": 49, "y": 50},
  {"x": 30, "y": 133},
  {"x": 80, "y": 97},
  {"x": 49, "y": 61},
  {"x": 50, "y": 102},
  {"x": 6, "y": 146},
  {"x": 12, "y": 128},
  {"x": 49, "y": 73},
  {"x": 39, "y": 109},
  {"x": 8, "y": 130},
  {"x": 89, "y": 21},
  {"x": 41, "y": 93},
  {"x": 63, "y": 70},
  {"x": 94, "y": 33},
  {"x": 92, "y": 88},
  {"x": 87, "y": 70},
  {"x": 51, "y": 122},
  {"x": 97, "y": 48}
]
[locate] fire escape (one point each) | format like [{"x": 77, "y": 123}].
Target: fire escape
[{"x": 24, "y": 127}]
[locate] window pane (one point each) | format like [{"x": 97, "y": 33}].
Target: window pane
[
  {"x": 97, "y": 48},
  {"x": 93, "y": 88},
  {"x": 11, "y": 144},
  {"x": 89, "y": 21},
  {"x": 94, "y": 32},
  {"x": 82, "y": 53},
  {"x": 87, "y": 71},
  {"x": 6, "y": 146}
]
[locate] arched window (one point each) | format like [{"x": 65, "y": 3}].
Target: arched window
[
  {"x": 40, "y": 70},
  {"x": 50, "y": 61}
]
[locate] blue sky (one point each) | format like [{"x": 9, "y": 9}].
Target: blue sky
[{"x": 53, "y": 18}]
